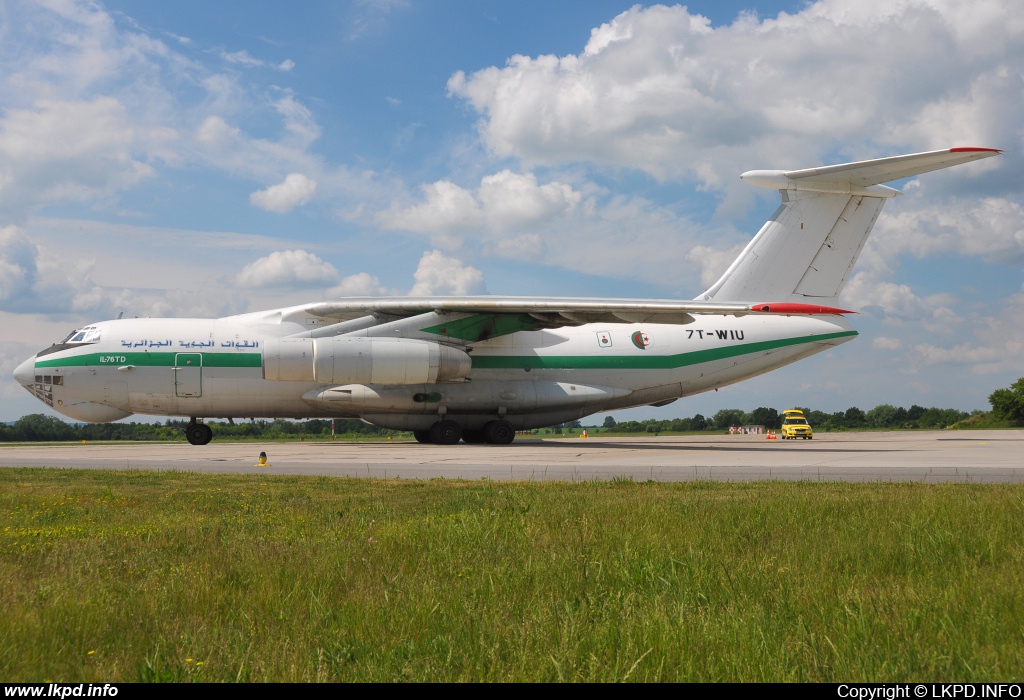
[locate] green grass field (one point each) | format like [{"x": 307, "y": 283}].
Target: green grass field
[{"x": 123, "y": 576}]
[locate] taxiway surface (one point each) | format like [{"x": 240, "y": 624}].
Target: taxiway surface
[{"x": 990, "y": 456}]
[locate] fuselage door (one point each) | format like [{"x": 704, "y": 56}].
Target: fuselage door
[{"x": 188, "y": 374}]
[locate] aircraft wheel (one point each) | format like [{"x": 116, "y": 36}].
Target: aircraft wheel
[
  {"x": 445, "y": 432},
  {"x": 198, "y": 434},
  {"x": 473, "y": 437},
  {"x": 499, "y": 432},
  {"x": 422, "y": 436}
]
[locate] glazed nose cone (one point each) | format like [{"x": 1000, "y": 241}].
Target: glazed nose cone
[{"x": 26, "y": 372}]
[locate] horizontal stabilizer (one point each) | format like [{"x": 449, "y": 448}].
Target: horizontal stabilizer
[
  {"x": 875, "y": 172},
  {"x": 864, "y": 177}
]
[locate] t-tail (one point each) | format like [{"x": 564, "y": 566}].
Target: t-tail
[{"x": 804, "y": 253}]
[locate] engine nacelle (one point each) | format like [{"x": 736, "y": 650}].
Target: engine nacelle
[{"x": 358, "y": 360}]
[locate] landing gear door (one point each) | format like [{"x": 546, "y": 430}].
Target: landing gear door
[{"x": 188, "y": 374}]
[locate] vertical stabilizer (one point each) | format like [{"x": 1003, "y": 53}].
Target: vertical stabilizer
[
  {"x": 806, "y": 251},
  {"x": 803, "y": 253}
]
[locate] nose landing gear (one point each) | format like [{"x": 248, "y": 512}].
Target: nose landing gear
[{"x": 198, "y": 433}]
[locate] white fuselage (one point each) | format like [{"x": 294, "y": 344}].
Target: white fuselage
[{"x": 220, "y": 368}]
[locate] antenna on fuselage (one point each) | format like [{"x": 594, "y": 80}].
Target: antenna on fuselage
[{"x": 120, "y": 316}]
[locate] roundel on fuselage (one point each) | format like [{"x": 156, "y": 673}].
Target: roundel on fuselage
[{"x": 642, "y": 340}]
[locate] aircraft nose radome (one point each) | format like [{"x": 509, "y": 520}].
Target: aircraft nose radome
[{"x": 26, "y": 372}]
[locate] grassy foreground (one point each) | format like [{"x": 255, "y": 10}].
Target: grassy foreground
[{"x": 177, "y": 576}]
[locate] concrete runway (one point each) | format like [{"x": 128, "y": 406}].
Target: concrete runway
[{"x": 989, "y": 456}]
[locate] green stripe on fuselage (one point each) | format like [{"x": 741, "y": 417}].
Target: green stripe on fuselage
[
  {"x": 642, "y": 360},
  {"x": 153, "y": 359}
]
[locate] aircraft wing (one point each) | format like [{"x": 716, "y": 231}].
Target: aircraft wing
[{"x": 552, "y": 312}]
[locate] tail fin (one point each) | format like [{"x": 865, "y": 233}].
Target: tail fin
[{"x": 806, "y": 250}]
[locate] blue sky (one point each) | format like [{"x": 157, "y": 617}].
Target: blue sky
[{"x": 177, "y": 159}]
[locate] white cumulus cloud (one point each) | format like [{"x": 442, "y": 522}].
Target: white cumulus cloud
[
  {"x": 361, "y": 284},
  {"x": 75, "y": 150},
  {"x": 448, "y": 208},
  {"x": 659, "y": 90},
  {"x": 287, "y": 267},
  {"x": 295, "y": 190},
  {"x": 502, "y": 201},
  {"x": 512, "y": 199},
  {"x": 94, "y": 105},
  {"x": 438, "y": 274},
  {"x": 513, "y": 216},
  {"x": 923, "y": 224},
  {"x": 898, "y": 303}
]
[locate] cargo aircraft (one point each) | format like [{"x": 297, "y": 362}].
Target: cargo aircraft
[{"x": 480, "y": 368}]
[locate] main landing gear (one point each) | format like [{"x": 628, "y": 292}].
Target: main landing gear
[
  {"x": 448, "y": 432},
  {"x": 198, "y": 433}
]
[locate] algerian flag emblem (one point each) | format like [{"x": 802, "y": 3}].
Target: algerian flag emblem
[{"x": 641, "y": 340}]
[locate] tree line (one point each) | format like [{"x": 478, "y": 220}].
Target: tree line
[{"x": 884, "y": 416}]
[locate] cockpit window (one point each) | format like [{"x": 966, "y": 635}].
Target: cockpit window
[{"x": 89, "y": 334}]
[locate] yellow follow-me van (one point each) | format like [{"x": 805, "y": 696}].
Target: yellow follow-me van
[{"x": 794, "y": 425}]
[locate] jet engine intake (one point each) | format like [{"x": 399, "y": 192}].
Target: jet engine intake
[{"x": 359, "y": 360}]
